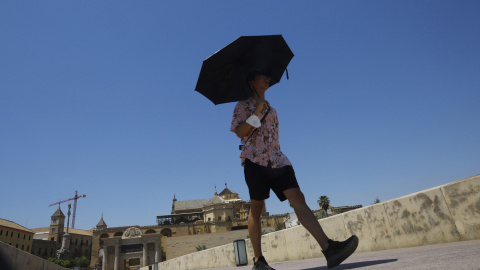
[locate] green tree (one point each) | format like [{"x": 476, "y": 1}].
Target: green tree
[
  {"x": 324, "y": 203},
  {"x": 377, "y": 200},
  {"x": 81, "y": 261},
  {"x": 67, "y": 263}
]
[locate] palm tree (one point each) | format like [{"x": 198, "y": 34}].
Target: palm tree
[{"x": 324, "y": 203}]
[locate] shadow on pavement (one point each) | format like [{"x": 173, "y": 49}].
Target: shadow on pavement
[{"x": 354, "y": 265}]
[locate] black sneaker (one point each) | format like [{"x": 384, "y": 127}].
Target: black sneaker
[
  {"x": 337, "y": 252},
  {"x": 261, "y": 264}
]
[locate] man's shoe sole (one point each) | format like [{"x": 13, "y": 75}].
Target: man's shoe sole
[{"x": 345, "y": 253}]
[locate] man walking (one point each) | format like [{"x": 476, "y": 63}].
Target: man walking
[{"x": 267, "y": 168}]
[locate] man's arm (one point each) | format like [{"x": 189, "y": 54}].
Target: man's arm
[{"x": 245, "y": 128}]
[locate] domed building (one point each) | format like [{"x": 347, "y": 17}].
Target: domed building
[
  {"x": 222, "y": 212},
  {"x": 137, "y": 246}
]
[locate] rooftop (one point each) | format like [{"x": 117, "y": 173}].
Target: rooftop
[
  {"x": 215, "y": 200},
  {"x": 191, "y": 204},
  {"x": 70, "y": 231},
  {"x": 227, "y": 191},
  {"x": 13, "y": 225}
]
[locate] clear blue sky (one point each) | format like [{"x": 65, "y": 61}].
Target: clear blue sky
[{"x": 98, "y": 96}]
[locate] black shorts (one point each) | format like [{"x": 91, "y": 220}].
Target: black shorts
[{"x": 261, "y": 179}]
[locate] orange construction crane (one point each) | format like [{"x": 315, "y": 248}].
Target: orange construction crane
[{"x": 74, "y": 206}]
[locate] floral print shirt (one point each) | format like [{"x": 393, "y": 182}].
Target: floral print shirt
[{"x": 263, "y": 147}]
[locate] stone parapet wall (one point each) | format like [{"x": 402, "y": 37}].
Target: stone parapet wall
[
  {"x": 182, "y": 245},
  {"x": 443, "y": 214},
  {"x": 12, "y": 258}
]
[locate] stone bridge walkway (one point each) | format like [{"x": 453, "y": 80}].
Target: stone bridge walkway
[{"x": 459, "y": 255}]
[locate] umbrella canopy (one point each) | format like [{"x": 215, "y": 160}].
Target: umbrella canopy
[{"x": 223, "y": 77}]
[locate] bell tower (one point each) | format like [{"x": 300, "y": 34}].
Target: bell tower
[
  {"x": 101, "y": 224},
  {"x": 173, "y": 204},
  {"x": 57, "y": 224}
]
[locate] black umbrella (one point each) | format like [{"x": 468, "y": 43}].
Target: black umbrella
[{"x": 223, "y": 77}]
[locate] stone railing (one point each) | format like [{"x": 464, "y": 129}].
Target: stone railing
[
  {"x": 12, "y": 258},
  {"x": 443, "y": 214}
]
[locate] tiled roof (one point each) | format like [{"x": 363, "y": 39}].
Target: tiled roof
[
  {"x": 101, "y": 222},
  {"x": 70, "y": 231},
  {"x": 197, "y": 204},
  {"x": 13, "y": 225},
  {"x": 191, "y": 204},
  {"x": 227, "y": 191},
  {"x": 58, "y": 213},
  {"x": 215, "y": 200},
  {"x": 78, "y": 231},
  {"x": 40, "y": 230}
]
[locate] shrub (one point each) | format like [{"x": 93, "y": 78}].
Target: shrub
[
  {"x": 67, "y": 263},
  {"x": 278, "y": 226},
  {"x": 321, "y": 214},
  {"x": 81, "y": 261},
  {"x": 201, "y": 247},
  {"x": 164, "y": 256}
]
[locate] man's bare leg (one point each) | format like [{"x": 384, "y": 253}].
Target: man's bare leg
[
  {"x": 255, "y": 227},
  {"x": 305, "y": 216}
]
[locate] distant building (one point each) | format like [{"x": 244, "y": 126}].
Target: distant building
[
  {"x": 16, "y": 235},
  {"x": 292, "y": 219},
  {"x": 343, "y": 209},
  {"x": 129, "y": 247},
  {"x": 42, "y": 247},
  {"x": 222, "y": 212},
  {"x": 48, "y": 240},
  {"x": 136, "y": 246}
]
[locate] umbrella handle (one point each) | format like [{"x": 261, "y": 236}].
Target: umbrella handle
[{"x": 254, "y": 89}]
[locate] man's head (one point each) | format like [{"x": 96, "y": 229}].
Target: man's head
[{"x": 259, "y": 81}]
